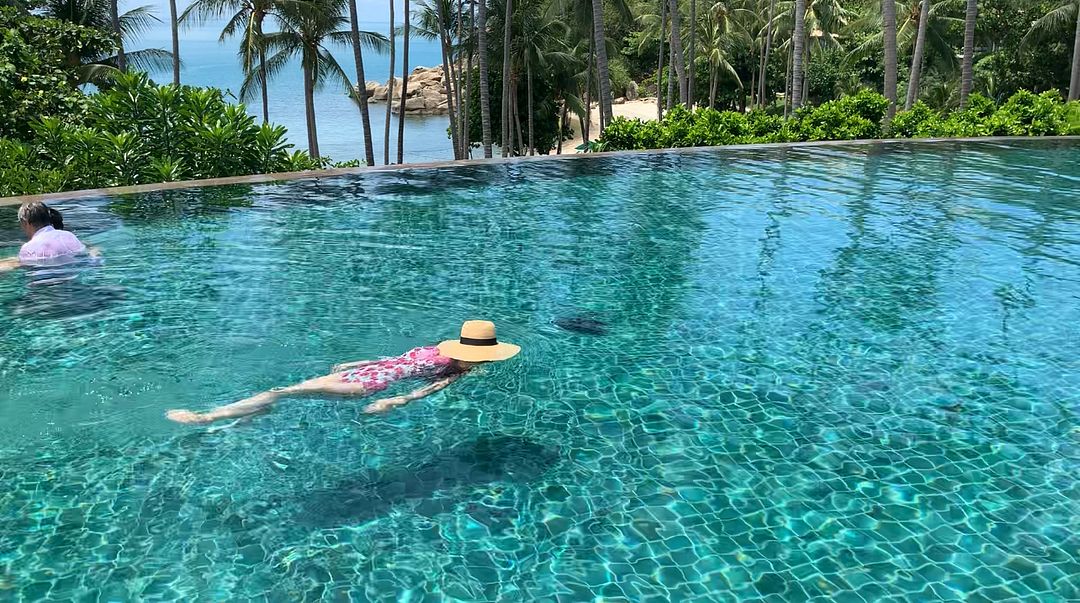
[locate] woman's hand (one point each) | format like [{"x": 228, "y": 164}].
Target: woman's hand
[{"x": 385, "y": 404}]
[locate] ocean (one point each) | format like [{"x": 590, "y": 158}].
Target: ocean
[{"x": 206, "y": 62}]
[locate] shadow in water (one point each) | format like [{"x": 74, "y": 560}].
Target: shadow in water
[
  {"x": 484, "y": 461},
  {"x": 61, "y": 292}
]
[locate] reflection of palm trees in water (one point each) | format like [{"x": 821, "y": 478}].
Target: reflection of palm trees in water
[{"x": 881, "y": 295}]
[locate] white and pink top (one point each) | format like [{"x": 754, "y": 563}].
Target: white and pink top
[
  {"x": 49, "y": 244},
  {"x": 417, "y": 363}
]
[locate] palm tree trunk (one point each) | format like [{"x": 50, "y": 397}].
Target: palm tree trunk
[
  {"x": 529, "y": 107},
  {"x": 404, "y": 86},
  {"x": 262, "y": 86},
  {"x": 389, "y": 90},
  {"x": 309, "y": 111},
  {"x": 361, "y": 84},
  {"x": 174, "y": 26},
  {"x": 712, "y": 86},
  {"x": 888, "y": 17},
  {"x": 660, "y": 60},
  {"x": 507, "y": 128},
  {"x": 798, "y": 67},
  {"x": 466, "y": 135},
  {"x": 676, "y": 48},
  {"x": 690, "y": 58},
  {"x": 517, "y": 120},
  {"x": 485, "y": 90},
  {"x": 1074, "y": 80},
  {"x": 917, "y": 58},
  {"x": 670, "y": 71},
  {"x": 602, "y": 64},
  {"x": 447, "y": 76},
  {"x": 588, "y": 93},
  {"x": 762, "y": 89},
  {"x": 787, "y": 82},
  {"x": 562, "y": 127},
  {"x": 114, "y": 15},
  {"x": 753, "y": 87},
  {"x": 456, "y": 67},
  {"x": 968, "y": 65}
]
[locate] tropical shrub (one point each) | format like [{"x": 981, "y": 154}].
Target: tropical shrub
[
  {"x": 138, "y": 132},
  {"x": 40, "y": 69},
  {"x": 859, "y": 116}
]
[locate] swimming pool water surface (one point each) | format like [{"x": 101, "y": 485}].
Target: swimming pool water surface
[{"x": 831, "y": 373}]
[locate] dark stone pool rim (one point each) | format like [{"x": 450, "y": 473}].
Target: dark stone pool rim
[{"x": 336, "y": 172}]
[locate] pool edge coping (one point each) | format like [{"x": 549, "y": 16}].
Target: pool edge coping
[{"x": 338, "y": 172}]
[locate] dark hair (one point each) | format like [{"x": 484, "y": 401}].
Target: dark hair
[
  {"x": 56, "y": 219},
  {"x": 36, "y": 214}
]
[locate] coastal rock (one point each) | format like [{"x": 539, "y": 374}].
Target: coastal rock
[
  {"x": 632, "y": 91},
  {"x": 619, "y": 101},
  {"x": 426, "y": 94}
]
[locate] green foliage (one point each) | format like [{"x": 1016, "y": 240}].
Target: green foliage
[
  {"x": 138, "y": 132},
  {"x": 40, "y": 69},
  {"x": 847, "y": 118},
  {"x": 859, "y": 116}
]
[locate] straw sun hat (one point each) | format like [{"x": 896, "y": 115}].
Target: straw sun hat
[{"x": 478, "y": 344}]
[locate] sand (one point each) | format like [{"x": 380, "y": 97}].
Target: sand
[{"x": 642, "y": 108}]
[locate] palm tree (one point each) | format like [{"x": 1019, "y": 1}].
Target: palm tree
[
  {"x": 660, "y": 60},
  {"x": 485, "y": 91},
  {"x": 798, "y": 38},
  {"x": 917, "y": 57},
  {"x": 1074, "y": 78},
  {"x": 404, "y": 85},
  {"x": 361, "y": 83},
  {"x": 762, "y": 89},
  {"x": 716, "y": 42},
  {"x": 100, "y": 15},
  {"x": 247, "y": 18},
  {"x": 435, "y": 22},
  {"x": 968, "y": 64},
  {"x": 676, "y": 49},
  {"x": 542, "y": 44},
  {"x": 389, "y": 89},
  {"x": 888, "y": 13},
  {"x": 690, "y": 58},
  {"x": 114, "y": 12},
  {"x": 175, "y": 43},
  {"x": 602, "y": 63},
  {"x": 1054, "y": 22},
  {"x": 305, "y": 28},
  {"x": 507, "y": 24}
]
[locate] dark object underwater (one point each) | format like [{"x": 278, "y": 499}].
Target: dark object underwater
[{"x": 582, "y": 324}]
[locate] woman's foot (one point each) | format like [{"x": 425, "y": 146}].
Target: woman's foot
[{"x": 186, "y": 416}]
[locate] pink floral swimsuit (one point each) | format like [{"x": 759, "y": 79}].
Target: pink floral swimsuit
[{"x": 417, "y": 363}]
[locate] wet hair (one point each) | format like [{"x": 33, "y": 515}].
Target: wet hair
[
  {"x": 56, "y": 219},
  {"x": 36, "y": 214}
]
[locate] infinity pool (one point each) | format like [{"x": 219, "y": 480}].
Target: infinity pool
[{"x": 833, "y": 373}]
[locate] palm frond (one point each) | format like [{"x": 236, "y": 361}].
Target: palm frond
[
  {"x": 149, "y": 59},
  {"x": 254, "y": 79},
  {"x": 137, "y": 21},
  {"x": 1056, "y": 21}
]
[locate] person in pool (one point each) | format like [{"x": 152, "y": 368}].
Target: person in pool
[
  {"x": 441, "y": 365},
  {"x": 48, "y": 242}
]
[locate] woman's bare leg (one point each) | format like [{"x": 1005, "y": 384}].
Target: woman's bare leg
[{"x": 328, "y": 384}]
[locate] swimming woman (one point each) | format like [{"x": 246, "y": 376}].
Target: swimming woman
[{"x": 441, "y": 365}]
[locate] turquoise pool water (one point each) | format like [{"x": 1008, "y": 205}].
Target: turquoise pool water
[{"x": 844, "y": 374}]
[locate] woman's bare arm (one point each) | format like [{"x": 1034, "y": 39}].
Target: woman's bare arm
[
  {"x": 388, "y": 403},
  {"x": 9, "y": 264}
]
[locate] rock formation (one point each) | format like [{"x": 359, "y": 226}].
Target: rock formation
[{"x": 426, "y": 96}]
